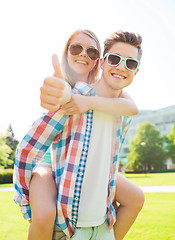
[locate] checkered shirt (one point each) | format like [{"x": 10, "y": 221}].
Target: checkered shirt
[{"x": 69, "y": 137}]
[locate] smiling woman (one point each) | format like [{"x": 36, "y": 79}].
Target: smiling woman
[{"x": 80, "y": 61}]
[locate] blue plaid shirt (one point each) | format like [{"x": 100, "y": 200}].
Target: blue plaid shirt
[{"x": 69, "y": 137}]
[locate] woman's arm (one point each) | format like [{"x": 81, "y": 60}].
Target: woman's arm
[
  {"x": 31, "y": 150},
  {"x": 124, "y": 105}
]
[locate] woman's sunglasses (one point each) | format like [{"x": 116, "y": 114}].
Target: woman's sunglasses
[
  {"x": 114, "y": 60},
  {"x": 76, "y": 49}
]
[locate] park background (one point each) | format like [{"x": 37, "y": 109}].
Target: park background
[{"x": 31, "y": 31}]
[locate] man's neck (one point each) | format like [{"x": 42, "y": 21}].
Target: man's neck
[{"x": 105, "y": 90}]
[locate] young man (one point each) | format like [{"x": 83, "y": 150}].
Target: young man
[{"x": 84, "y": 163}]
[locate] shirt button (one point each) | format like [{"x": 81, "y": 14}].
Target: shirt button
[
  {"x": 88, "y": 127},
  {"x": 85, "y": 149},
  {"x": 76, "y": 198}
]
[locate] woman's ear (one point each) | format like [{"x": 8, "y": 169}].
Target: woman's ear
[{"x": 101, "y": 63}]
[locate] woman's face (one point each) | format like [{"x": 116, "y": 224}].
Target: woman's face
[{"x": 82, "y": 64}]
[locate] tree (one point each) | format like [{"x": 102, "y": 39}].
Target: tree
[
  {"x": 5, "y": 150},
  {"x": 12, "y": 143},
  {"x": 170, "y": 147},
  {"x": 146, "y": 149}
]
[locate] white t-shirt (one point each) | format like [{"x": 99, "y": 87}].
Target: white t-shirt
[{"x": 93, "y": 199}]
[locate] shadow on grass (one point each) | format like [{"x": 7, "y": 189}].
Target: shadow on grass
[{"x": 138, "y": 177}]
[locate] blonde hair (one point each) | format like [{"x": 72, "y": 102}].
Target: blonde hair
[{"x": 67, "y": 71}]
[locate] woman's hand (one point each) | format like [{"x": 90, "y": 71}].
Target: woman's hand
[
  {"x": 55, "y": 90},
  {"x": 78, "y": 104}
]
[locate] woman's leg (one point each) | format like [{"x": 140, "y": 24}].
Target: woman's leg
[
  {"x": 131, "y": 200},
  {"x": 42, "y": 198}
]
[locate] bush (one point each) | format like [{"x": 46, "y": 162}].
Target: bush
[{"x": 6, "y": 176}]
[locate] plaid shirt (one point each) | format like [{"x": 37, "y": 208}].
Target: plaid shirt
[{"x": 70, "y": 137}]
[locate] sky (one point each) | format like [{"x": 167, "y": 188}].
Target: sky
[{"x": 32, "y": 31}]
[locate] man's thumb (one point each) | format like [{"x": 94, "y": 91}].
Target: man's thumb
[{"x": 56, "y": 66}]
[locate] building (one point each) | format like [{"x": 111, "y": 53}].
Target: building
[{"x": 163, "y": 119}]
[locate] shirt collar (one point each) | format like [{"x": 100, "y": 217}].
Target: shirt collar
[{"x": 84, "y": 88}]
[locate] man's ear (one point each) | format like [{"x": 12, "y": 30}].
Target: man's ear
[
  {"x": 102, "y": 63},
  {"x": 136, "y": 72}
]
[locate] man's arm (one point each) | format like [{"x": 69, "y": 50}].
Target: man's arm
[{"x": 123, "y": 105}]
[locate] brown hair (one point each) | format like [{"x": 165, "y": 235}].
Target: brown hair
[
  {"x": 131, "y": 38},
  {"x": 67, "y": 72}
]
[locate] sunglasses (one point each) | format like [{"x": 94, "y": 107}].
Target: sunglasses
[
  {"x": 76, "y": 49},
  {"x": 114, "y": 60}
]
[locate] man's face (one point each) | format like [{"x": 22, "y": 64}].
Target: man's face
[{"x": 118, "y": 77}]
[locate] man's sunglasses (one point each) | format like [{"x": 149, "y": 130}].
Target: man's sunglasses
[
  {"x": 114, "y": 60},
  {"x": 76, "y": 49}
]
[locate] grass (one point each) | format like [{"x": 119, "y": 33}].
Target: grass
[
  {"x": 152, "y": 179},
  {"x": 6, "y": 185},
  {"x": 156, "y": 220},
  {"x": 148, "y": 179},
  {"x": 12, "y": 224}
]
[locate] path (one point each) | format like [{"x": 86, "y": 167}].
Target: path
[{"x": 158, "y": 188}]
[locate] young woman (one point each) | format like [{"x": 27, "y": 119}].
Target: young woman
[{"x": 80, "y": 63}]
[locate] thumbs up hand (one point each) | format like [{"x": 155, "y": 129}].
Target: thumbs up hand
[
  {"x": 56, "y": 66},
  {"x": 55, "y": 91}
]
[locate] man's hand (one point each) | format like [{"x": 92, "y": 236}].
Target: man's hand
[{"x": 55, "y": 90}]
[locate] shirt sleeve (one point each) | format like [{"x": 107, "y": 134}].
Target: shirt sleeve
[
  {"x": 30, "y": 151},
  {"x": 124, "y": 128}
]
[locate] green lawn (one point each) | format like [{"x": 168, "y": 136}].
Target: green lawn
[
  {"x": 152, "y": 179},
  {"x": 149, "y": 179},
  {"x": 12, "y": 224},
  {"x": 6, "y": 185},
  {"x": 155, "y": 222}
]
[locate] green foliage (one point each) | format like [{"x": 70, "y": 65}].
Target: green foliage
[
  {"x": 12, "y": 143},
  {"x": 5, "y": 151},
  {"x": 8, "y": 145},
  {"x": 170, "y": 144},
  {"x": 6, "y": 176},
  {"x": 146, "y": 149}
]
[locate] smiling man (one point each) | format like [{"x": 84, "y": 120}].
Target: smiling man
[{"x": 120, "y": 63}]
